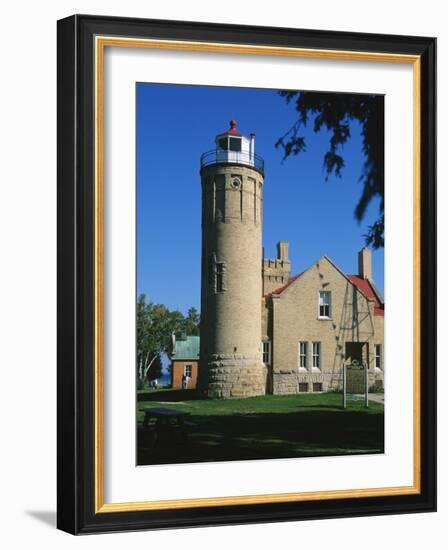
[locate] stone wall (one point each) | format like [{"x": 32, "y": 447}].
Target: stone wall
[{"x": 235, "y": 375}]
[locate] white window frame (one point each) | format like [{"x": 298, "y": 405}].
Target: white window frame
[
  {"x": 378, "y": 356},
  {"x": 316, "y": 357},
  {"x": 303, "y": 355},
  {"x": 189, "y": 365},
  {"x": 319, "y": 305},
  {"x": 268, "y": 344}
]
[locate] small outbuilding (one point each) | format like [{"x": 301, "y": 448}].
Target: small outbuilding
[{"x": 184, "y": 361}]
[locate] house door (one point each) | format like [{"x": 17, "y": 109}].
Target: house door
[{"x": 358, "y": 351}]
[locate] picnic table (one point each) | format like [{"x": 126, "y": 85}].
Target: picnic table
[
  {"x": 164, "y": 417},
  {"x": 164, "y": 427}
]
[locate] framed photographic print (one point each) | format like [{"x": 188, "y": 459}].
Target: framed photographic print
[{"x": 246, "y": 274}]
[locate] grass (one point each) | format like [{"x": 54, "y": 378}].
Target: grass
[{"x": 271, "y": 426}]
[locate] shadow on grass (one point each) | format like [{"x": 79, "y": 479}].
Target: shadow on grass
[
  {"x": 168, "y": 395},
  {"x": 265, "y": 436},
  {"x": 330, "y": 406}
]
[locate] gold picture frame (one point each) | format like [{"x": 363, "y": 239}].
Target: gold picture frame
[{"x": 80, "y": 35}]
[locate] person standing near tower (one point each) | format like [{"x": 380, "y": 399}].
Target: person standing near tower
[{"x": 232, "y": 179}]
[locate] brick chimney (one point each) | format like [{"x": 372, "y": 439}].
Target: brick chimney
[
  {"x": 276, "y": 272},
  {"x": 365, "y": 263},
  {"x": 283, "y": 250}
]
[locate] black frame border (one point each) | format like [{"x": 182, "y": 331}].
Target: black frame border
[{"x": 75, "y": 272}]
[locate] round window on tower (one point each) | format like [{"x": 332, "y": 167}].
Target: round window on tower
[{"x": 236, "y": 183}]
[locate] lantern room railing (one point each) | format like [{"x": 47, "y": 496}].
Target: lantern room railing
[{"x": 223, "y": 156}]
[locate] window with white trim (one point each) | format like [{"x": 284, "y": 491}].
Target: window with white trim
[
  {"x": 378, "y": 354},
  {"x": 316, "y": 355},
  {"x": 266, "y": 345},
  {"x": 303, "y": 355},
  {"x": 188, "y": 370},
  {"x": 324, "y": 304}
]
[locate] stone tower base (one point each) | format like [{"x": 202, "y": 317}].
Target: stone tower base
[{"x": 232, "y": 375}]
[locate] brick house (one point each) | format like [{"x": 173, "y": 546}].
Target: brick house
[
  {"x": 318, "y": 320},
  {"x": 184, "y": 360}
]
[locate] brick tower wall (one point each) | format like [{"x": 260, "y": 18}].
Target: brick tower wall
[{"x": 230, "y": 354}]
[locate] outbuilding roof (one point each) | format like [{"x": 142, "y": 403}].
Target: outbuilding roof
[{"x": 186, "y": 347}]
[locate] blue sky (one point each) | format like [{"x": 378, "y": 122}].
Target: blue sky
[{"x": 175, "y": 125}]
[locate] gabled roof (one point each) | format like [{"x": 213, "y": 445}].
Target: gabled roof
[
  {"x": 282, "y": 288},
  {"x": 366, "y": 287},
  {"x": 186, "y": 348}
]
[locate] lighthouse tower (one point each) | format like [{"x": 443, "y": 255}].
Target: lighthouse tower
[{"x": 232, "y": 186}]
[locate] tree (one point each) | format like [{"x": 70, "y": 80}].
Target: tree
[
  {"x": 191, "y": 323},
  {"x": 155, "y": 371},
  {"x": 155, "y": 326},
  {"x": 335, "y": 112}
]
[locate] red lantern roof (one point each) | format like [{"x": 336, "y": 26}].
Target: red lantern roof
[{"x": 232, "y": 130}]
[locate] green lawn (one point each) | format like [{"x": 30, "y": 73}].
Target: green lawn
[{"x": 272, "y": 426}]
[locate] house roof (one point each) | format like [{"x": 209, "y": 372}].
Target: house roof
[
  {"x": 186, "y": 348},
  {"x": 282, "y": 288},
  {"x": 365, "y": 286}
]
